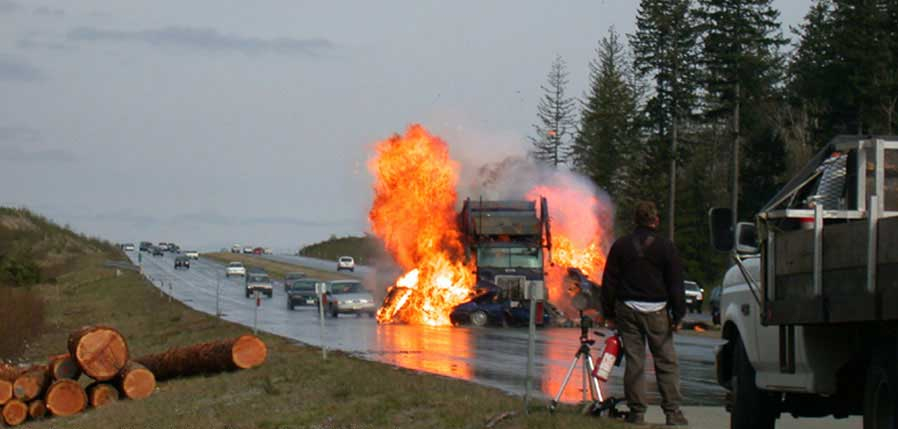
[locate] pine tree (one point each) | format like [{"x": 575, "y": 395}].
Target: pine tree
[
  {"x": 743, "y": 67},
  {"x": 665, "y": 50},
  {"x": 555, "y": 114},
  {"x": 603, "y": 145}
]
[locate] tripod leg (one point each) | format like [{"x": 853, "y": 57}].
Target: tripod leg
[
  {"x": 585, "y": 377},
  {"x": 567, "y": 377},
  {"x": 594, "y": 382}
]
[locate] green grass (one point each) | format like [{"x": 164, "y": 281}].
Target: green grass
[{"x": 294, "y": 389}]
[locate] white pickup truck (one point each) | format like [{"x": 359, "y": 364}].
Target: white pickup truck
[{"x": 810, "y": 310}]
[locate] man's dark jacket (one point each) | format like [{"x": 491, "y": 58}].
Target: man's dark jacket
[{"x": 644, "y": 266}]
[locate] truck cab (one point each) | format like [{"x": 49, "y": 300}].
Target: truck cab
[
  {"x": 810, "y": 308},
  {"x": 506, "y": 240}
]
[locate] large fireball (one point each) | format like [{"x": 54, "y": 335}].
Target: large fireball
[{"x": 414, "y": 214}]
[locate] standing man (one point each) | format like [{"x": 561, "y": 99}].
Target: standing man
[{"x": 643, "y": 296}]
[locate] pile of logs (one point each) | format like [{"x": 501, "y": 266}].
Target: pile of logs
[{"x": 101, "y": 353}]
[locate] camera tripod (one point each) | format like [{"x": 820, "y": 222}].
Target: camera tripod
[{"x": 600, "y": 405}]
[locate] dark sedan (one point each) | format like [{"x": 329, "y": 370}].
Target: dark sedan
[
  {"x": 488, "y": 308},
  {"x": 182, "y": 262},
  {"x": 302, "y": 292}
]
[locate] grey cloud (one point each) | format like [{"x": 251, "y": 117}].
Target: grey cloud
[
  {"x": 19, "y": 134},
  {"x": 8, "y": 6},
  {"x": 12, "y": 70},
  {"x": 206, "y": 39},
  {"x": 46, "y": 11},
  {"x": 29, "y": 43},
  {"x": 15, "y": 153}
]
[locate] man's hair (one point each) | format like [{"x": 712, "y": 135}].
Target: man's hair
[{"x": 645, "y": 214}]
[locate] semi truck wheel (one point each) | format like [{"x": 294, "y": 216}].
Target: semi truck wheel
[
  {"x": 752, "y": 408},
  {"x": 881, "y": 395}
]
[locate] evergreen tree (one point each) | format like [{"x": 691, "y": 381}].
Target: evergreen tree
[
  {"x": 665, "y": 51},
  {"x": 743, "y": 71},
  {"x": 604, "y": 142},
  {"x": 555, "y": 114}
]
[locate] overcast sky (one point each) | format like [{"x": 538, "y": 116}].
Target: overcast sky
[{"x": 213, "y": 122}]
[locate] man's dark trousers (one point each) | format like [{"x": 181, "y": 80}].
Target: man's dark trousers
[{"x": 635, "y": 328}]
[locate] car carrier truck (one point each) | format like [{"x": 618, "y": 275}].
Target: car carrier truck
[{"x": 809, "y": 311}]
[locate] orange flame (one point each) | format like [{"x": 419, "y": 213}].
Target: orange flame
[
  {"x": 414, "y": 214},
  {"x": 579, "y": 239}
]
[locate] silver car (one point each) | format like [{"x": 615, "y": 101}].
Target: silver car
[{"x": 348, "y": 297}]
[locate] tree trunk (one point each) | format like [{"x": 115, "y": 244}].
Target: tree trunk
[
  {"x": 136, "y": 381},
  {"x": 15, "y": 412},
  {"x": 246, "y": 351},
  {"x": 100, "y": 351},
  {"x": 64, "y": 367},
  {"x": 31, "y": 383},
  {"x": 99, "y": 394},
  {"x": 66, "y": 398},
  {"x": 37, "y": 409}
]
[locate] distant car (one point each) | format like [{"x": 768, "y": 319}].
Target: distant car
[
  {"x": 235, "y": 269},
  {"x": 145, "y": 246},
  {"x": 268, "y": 251},
  {"x": 236, "y": 248},
  {"x": 192, "y": 254},
  {"x": 695, "y": 296},
  {"x": 248, "y": 250},
  {"x": 488, "y": 308},
  {"x": 345, "y": 263},
  {"x": 348, "y": 297},
  {"x": 173, "y": 248},
  {"x": 128, "y": 247},
  {"x": 258, "y": 251},
  {"x": 302, "y": 292},
  {"x": 292, "y": 277},
  {"x": 258, "y": 280},
  {"x": 157, "y": 251},
  {"x": 163, "y": 246},
  {"x": 714, "y": 303},
  {"x": 182, "y": 262}
]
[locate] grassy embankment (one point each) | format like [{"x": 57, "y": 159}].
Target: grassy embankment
[
  {"x": 294, "y": 389},
  {"x": 273, "y": 268},
  {"x": 366, "y": 250}
]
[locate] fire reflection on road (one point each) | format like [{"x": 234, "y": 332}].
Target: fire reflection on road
[{"x": 439, "y": 350}]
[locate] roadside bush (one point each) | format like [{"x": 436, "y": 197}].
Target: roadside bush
[
  {"x": 18, "y": 272},
  {"x": 21, "y": 320}
]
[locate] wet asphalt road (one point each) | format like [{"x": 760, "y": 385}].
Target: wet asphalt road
[{"x": 490, "y": 356}]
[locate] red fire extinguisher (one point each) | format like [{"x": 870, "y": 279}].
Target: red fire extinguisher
[{"x": 610, "y": 357}]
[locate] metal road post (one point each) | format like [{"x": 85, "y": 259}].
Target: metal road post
[
  {"x": 320, "y": 288},
  {"x": 531, "y": 348},
  {"x": 169, "y": 290},
  {"x": 256, "y": 314}
]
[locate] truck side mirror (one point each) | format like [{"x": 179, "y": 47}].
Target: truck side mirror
[
  {"x": 746, "y": 238},
  {"x": 721, "y": 222}
]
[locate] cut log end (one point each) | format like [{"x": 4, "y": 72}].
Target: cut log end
[
  {"x": 65, "y": 398},
  {"x": 101, "y": 352},
  {"x": 31, "y": 383},
  {"x": 37, "y": 409},
  {"x": 100, "y": 394},
  {"x": 5, "y": 391},
  {"x": 136, "y": 381},
  {"x": 15, "y": 412},
  {"x": 249, "y": 352},
  {"x": 64, "y": 367}
]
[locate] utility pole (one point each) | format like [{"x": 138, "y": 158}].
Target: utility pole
[{"x": 736, "y": 144}]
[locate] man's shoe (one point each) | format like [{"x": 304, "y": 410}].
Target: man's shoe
[
  {"x": 635, "y": 418},
  {"x": 677, "y": 418}
]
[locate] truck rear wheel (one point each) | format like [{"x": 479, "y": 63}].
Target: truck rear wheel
[
  {"x": 752, "y": 408},
  {"x": 881, "y": 395}
]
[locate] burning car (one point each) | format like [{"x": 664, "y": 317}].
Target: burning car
[{"x": 491, "y": 307}]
